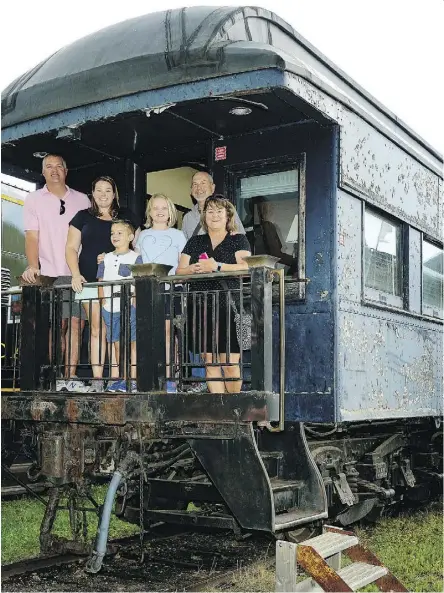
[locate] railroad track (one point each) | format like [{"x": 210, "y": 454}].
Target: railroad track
[{"x": 172, "y": 561}]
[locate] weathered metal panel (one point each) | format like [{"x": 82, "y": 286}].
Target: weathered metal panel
[
  {"x": 349, "y": 248},
  {"x": 388, "y": 367},
  {"x": 342, "y": 107},
  {"x": 140, "y": 407},
  {"x": 386, "y": 176},
  {"x": 388, "y": 171},
  {"x": 388, "y": 363},
  {"x": 441, "y": 208}
]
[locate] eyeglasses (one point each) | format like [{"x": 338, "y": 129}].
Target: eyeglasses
[{"x": 62, "y": 207}]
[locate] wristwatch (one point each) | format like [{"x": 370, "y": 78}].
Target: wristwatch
[{"x": 219, "y": 267}]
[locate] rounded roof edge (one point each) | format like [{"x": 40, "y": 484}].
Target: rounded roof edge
[
  {"x": 147, "y": 52},
  {"x": 167, "y": 48}
]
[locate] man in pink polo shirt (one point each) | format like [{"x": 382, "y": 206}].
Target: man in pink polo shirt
[{"x": 47, "y": 213}]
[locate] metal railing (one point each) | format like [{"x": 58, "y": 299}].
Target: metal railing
[
  {"x": 186, "y": 336},
  {"x": 11, "y": 306}
]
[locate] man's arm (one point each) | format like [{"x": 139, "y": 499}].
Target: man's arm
[
  {"x": 186, "y": 226},
  {"x": 32, "y": 256}
]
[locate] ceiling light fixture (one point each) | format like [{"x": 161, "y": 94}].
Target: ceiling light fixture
[
  {"x": 240, "y": 111},
  {"x": 40, "y": 154}
]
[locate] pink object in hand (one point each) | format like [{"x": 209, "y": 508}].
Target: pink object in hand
[{"x": 203, "y": 256}]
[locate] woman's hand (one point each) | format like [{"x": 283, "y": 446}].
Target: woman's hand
[
  {"x": 77, "y": 283},
  {"x": 205, "y": 266},
  {"x": 100, "y": 258}
]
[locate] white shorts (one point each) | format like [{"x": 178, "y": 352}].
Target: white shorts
[{"x": 89, "y": 293}]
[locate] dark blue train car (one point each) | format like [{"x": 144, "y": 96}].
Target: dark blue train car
[{"x": 326, "y": 179}]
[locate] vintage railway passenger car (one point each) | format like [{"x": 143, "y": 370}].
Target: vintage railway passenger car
[{"x": 353, "y": 203}]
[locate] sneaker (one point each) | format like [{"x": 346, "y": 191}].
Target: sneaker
[
  {"x": 122, "y": 386},
  {"x": 61, "y": 385},
  {"x": 133, "y": 387},
  {"x": 97, "y": 385},
  {"x": 171, "y": 387},
  {"x": 113, "y": 386},
  {"x": 76, "y": 386}
]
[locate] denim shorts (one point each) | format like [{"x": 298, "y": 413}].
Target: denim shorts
[{"x": 112, "y": 323}]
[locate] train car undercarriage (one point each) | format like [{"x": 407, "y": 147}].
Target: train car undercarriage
[{"x": 229, "y": 475}]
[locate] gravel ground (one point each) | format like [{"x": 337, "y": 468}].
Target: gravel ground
[{"x": 170, "y": 565}]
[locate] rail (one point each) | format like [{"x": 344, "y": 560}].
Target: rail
[{"x": 11, "y": 306}]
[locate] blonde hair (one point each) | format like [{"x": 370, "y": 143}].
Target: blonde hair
[
  {"x": 172, "y": 212},
  {"x": 220, "y": 203}
]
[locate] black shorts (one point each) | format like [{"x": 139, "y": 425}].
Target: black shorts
[{"x": 210, "y": 331}]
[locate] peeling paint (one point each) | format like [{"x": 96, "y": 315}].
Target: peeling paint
[{"x": 39, "y": 407}]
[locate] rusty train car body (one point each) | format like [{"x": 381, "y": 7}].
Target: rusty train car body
[{"x": 354, "y": 393}]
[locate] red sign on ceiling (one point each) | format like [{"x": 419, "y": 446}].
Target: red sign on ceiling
[{"x": 220, "y": 153}]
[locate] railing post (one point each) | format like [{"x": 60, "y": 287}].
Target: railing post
[
  {"x": 150, "y": 326},
  {"x": 261, "y": 330},
  {"x": 262, "y": 326},
  {"x": 34, "y": 328}
]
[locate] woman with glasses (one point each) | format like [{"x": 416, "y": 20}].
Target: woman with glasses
[
  {"x": 88, "y": 236},
  {"x": 208, "y": 328}
]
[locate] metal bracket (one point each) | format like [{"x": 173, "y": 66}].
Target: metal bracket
[
  {"x": 343, "y": 489},
  {"x": 407, "y": 473}
]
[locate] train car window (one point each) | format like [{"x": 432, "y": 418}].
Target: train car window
[
  {"x": 383, "y": 259},
  {"x": 432, "y": 279},
  {"x": 269, "y": 210}
]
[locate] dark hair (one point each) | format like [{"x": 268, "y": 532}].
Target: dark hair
[
  {"x": 114, "y": 208},
  {"x": 220, "y": 202}
]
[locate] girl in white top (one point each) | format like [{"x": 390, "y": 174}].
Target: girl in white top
[{"x": 159, "y": 243}]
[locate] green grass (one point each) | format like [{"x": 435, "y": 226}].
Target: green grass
[
  {"x": 21, "y": 526},
  {"x": 411, "y": 546}
]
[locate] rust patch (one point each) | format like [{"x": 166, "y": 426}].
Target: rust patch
[
  {"x": 360, "y": 553},
  {"x": 319, "y": 570},
  {"x": 39, "y": 407},
  {"x": 72, "y": 410},
  {"x": 112, "y": 411}
]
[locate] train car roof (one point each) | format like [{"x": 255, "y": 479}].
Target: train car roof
[{"x": 169, "y": 48}]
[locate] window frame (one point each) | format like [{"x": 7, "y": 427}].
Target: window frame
[
  {"x": 428, "y": 310},
  {"x": 372, "y": 295},
  {"x": 294, "y": 289}
]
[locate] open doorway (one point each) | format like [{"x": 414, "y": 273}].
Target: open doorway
[{"x": 175, "y": 184}]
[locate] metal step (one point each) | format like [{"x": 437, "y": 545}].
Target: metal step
[
  {"x": 297, "y": 517},
  {"x": 273, "y": 461},
  {"x": 356, "y": 575},
  {"x": 331, "y": 543},
  {"x": 286, "y": 494},
  {"x": 360, "y": 574}
]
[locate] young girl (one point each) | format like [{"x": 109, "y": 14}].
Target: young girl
[{"x": 159, "y": 243}]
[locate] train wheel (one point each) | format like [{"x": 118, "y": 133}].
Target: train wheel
[{"x": 303, "y": 533}]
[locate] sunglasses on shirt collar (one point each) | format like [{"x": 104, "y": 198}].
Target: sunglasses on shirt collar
[{"x": 62, "y": 207}]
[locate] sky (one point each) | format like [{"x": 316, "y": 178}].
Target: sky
[{"x": 392, "y": 48}]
